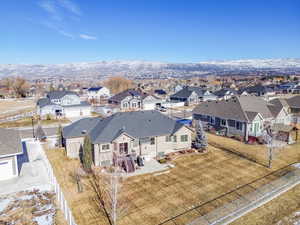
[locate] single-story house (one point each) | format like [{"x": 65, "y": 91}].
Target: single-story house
[
  {"x": 242, "y": 116},
  {"x": 192, "y": 95},
  {"x": 141, "y": 133},
  {"x": 62, "y": 103},
  {"x": 225, "y": 93},
  {"x": 258, "y": 90},
  {"x": 10, "y": 149}
]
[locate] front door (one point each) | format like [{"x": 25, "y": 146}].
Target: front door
[{"x": 123, "y": 147}]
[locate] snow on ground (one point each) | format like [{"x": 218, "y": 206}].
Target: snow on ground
[
  {"x": 293, "y": 219},
  {"x": 28, "y": 207}
]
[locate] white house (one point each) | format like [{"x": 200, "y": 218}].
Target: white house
[
  {"x": 10, "y": 149},
  {"x": 96, "y": 93},
  {"x": 63, "y": 103}
]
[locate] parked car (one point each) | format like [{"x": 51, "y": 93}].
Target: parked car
[{"x": 161, "y": 108}]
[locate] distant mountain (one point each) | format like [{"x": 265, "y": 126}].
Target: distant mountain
[{"x": 143, "y": 69}]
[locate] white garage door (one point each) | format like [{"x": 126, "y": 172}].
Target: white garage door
[{"x": 6, "y": 170}]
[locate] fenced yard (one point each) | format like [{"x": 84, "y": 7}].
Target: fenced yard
[{"x": 197, "y": 185}]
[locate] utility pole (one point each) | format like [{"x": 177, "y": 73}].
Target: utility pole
[{"x": 32, "y": 123}]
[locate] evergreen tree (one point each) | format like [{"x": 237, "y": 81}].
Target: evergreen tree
[
  {"x": 87, "y": 157},
  {"x": 201, "y": 140}
]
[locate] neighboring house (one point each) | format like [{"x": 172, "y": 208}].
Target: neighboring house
[
  {"x": 294, "y": 108},
  {"x": 177, "y": 88},
  {"x": 296, "y": 89},
  {"x": 139, "y": 133},
  {"x": 287, "y": 87},
  {"x": 160, "y": 92},
  {"x": 192, "y": 95},
  {"x": 134, "y": 100},
  {"x": 225, "y": 93},
  {"x": 258, "y": 90},
  {"x": 244, "y": 116},
  {"x": 62, "y": 103},
  {"x": 10, "y": 148},
  {"x": 98, "y": 93}
]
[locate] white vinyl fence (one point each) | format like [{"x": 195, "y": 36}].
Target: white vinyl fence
[{"x": 59, "y": 194}]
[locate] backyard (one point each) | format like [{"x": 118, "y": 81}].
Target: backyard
[{"x": 198, "y": 184}]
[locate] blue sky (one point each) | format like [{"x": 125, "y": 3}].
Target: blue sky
[{"x": 61, "y": 31}]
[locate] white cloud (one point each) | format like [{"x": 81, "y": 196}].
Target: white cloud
[
  {"x": 51, "y": 8},
  {"x": 87, "y": 37},
  {"x": 70, "y": 6}
]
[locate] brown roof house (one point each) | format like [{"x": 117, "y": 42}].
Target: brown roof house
[
  {"x": 10, "y": 149},
  {"x": 244, "y": 116}
]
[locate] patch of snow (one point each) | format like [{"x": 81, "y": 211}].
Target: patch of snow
[
  {"x": 44, "y": 219},
  {"x": 4, "y": 203}
]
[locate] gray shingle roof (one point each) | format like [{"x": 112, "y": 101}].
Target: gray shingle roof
[
  {"x": 43, "y": 102},
  {"x": 294, "y": 102},
  {"x": 10, "y": 142},
  {"x": 222, "y": 92},
  {"x": 241, "y": 108},
  {"x": 138, "y": 124},
  {"x": 227, "y": 109},
  {"x": 187, "y": 91},
  {"x": 76, "y": 129},
  {"x": 130, "y": 92},
  {"x": 59, "y": 94}
]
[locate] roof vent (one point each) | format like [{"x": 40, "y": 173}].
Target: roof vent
[{"x": 83, "y": 131}]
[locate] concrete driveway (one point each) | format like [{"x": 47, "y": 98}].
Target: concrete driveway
[{"x": 33, "y": 174}]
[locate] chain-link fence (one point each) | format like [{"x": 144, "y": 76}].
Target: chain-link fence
[{"x": 250, "y": 201}]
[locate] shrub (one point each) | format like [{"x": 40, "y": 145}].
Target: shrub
[
  {"x": 162, "y": 161},
  {"x": 48, "y": 117}
]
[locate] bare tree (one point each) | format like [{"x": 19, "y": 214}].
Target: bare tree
[
  {"x": 273, "y": 143},
  {"x": 20, "y": 87},
  {"x": 110, "y": 198},
  {"x": 118, "y": 84}
]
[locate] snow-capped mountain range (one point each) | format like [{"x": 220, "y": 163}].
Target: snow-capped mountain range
[{"x": 154, "y": 69}]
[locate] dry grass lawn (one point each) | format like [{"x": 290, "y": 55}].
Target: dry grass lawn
[
  {"x": 204, "y": 180},
  {"x": 258, "y": 153},
  {"x": 26, "y": 122},
  {"x": 12, "y": 107},
  {"x": 279, "y": 210}
]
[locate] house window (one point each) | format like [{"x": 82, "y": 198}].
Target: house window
[
  {"x": 152, "y": 141},
  {"x": 231, "y": 123},
  {"x": 239, "y": 125},
  {"x": 125, "y": 105},
  {"x": 133, "y": 105},
  {"x": 174, "y": 138},
  {"x": 184, "y": 138},
  {"x": 168, "y": 138},
  {"x": 223, "y": 122},
  {"x": 105, "y": 147}
]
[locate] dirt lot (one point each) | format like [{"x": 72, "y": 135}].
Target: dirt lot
[
  {"x": 198, "y": 184},
  {"x": 12, "y": 107}
]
